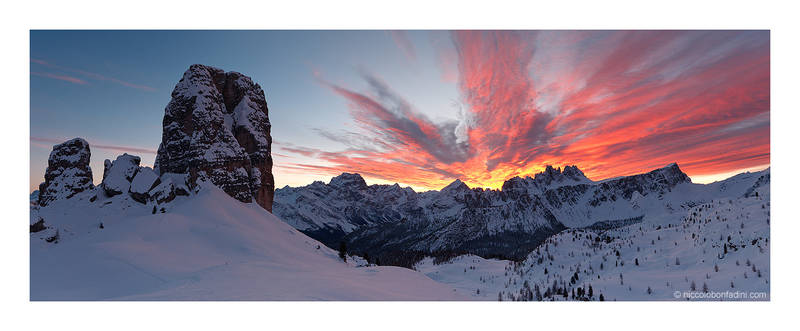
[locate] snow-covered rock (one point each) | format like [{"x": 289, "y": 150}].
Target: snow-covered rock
[
  {"x": 216, "y": 128},
  {"x": 68, "y": 172},
  {"x": 164, "y": 192},
  {"x": 117, "y": 175},
  {"x": 145, "y": 180}
]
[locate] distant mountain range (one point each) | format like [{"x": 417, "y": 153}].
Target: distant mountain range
[{"x": 399, "y": 226}]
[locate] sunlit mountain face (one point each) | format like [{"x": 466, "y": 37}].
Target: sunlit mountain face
[{"x": 613, "y": 103}]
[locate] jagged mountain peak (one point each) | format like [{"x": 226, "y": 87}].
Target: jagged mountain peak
[
  {"x": 672, "y": 173},
  {"x": 348, "y": 180},
  {"x": 570, "y": 172},
  {"x": 573, "y": 172},
  {"x": 456, "y": 185}
]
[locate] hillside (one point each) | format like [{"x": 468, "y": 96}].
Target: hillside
[
  {"x": 717, "y": 248},
  {"x": 207, "y": 246}
]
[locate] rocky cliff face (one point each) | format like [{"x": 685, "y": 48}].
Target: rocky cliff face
[
  {"x": 216, "y": 128},
  {"x": 68, "y": 172}
]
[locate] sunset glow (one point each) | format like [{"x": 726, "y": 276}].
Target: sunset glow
[
  {"x": 423, "y": 108},
  {"x": 612, "y": 103}
]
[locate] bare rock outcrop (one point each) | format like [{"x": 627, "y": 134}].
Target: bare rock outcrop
[
  {"x": 216, "y": 128},
  {"x": 68, "y": 171}
]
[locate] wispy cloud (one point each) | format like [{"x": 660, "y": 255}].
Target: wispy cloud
[
  {"x": 87, "y": 74},
  {"x": 613, "y": 103},
  {"x": 43, "y": 141},
  {"x": 59, "y": 77},
  {"x": 402, "y": 41}
]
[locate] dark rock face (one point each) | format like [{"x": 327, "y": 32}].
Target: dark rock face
[
  {"x": 68, "y": 172},
  {"x": 38, "y": 226},
  {"x": 659, "y": 181},
  {"x": 216, "y": 128},
  {"x": 549, "y": 178}
]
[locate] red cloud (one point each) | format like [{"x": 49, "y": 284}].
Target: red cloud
[{"x": 613, "y": 103}]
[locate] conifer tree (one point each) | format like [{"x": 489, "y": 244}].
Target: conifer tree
[{"x": 343, "y": 251}]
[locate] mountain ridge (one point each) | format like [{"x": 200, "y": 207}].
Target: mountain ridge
[{"x": 378, "y": 217}]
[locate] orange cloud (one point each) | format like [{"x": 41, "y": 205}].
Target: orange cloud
[{"x": 612, "y": 103}]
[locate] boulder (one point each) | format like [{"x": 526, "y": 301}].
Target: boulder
[
  {"x": 117, "y": 175},
  {"x": 145, "y": 180},
  {"x": 179, "y": 182},
  {"x": 163, "y": 192}
]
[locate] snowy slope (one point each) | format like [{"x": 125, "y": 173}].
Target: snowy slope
[
  {"x": 207, "y": 246},
  {"x": 722, "y": 245}
]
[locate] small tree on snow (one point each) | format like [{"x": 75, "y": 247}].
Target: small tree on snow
[{"x": 343, "y": 251}]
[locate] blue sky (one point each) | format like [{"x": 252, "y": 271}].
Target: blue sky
[{"x": 108, "y": 110}]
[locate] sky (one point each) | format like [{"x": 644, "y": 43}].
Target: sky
[{"x": 423, "y": 108}]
